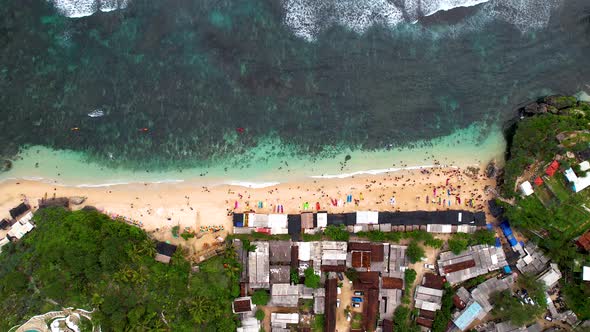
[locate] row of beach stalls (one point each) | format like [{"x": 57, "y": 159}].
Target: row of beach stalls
[{"x": 451, "y": 221}]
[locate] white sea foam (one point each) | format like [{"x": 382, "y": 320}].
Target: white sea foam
[
  {"x": 254, "y": 185},
  {"x": 81, "y": 8},
  {"x": 307, "y": 18},
  {"x": 375, "y": 171}
]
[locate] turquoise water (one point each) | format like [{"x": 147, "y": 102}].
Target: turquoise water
[
  {"x": 266, "y": 90},
  {"x": 463, "y": 148}
]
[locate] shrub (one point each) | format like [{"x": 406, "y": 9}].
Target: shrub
[
  {"x": 259, "y": 314},
  {"x": 312, "y": 280},
  {"x": 337, "y": 233},
  {"x": 415, "y": 252},
  {"x": 260, "y": 297}
]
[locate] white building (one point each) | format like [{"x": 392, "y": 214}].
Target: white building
[{"x": 526, "y": 188}]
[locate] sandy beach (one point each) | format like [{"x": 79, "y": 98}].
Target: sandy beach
[{"x": 159, "y": 207}]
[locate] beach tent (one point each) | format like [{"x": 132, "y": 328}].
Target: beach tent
[{"x": 526, "y": 188}]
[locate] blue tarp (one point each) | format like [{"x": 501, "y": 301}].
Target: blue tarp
[
  {"x": 506, "y": 228},
  {"x": 522, "y": 243},
  {"x": 507, "y": 269},
  {"x": 239, "y": 224},
  {"x": 498, "y": 243},
  {"x": 490, "y": 227},
  {"x": 512, "y": 240},
  {"x": 468, "y": 316}
]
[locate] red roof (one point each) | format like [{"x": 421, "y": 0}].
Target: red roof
[
  {"x": 432, "y": 280},
  {"x": 242, "y": 306},
  {"x": 371, "y": 307},
  {"x": 362, "y": 246},
  {"x": 458, "y": 302},
  {"x": 330, "y": 305},
  {"x": 459, "y": 266},
  {"x": 377, "y": 252},
  {"x": 263, "y": 230},
  {"x": 584, "y": 241},
  {"x": 392, "y": 283},
  {"x": 366, "y": 280},
  {"x": 552, "y": 168},
  {"x": 361, "y": 259},
  {"x": 538, "y": 181},
  {"x": 424, "y": 322},
  {"x": 387, "y": 325},
  {"x": 333, "y": 268}
]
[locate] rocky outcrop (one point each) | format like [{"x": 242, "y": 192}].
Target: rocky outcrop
[
  {"x": 551, "y": 104},
  {"x": 77, "y": 200}
]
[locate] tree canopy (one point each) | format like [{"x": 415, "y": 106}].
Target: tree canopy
[
  {"x": 260, "y": 297},
  {"x": 415, "y": 252},
  {"x": 86, "y": 260},
  {"x": 312, "y": 280}
]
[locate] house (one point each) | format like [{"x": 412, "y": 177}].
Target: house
[
  {"x": 280, "y": 274},
  {"x": 584, "y": 241},
  {"x": 5, "y": 223},
  {"x": 475, "y": 261},
  {"x": 21, "y": 209},
  {"x": 534, "y": 261},
  {"x": 280, "y": 252},
  {"x": 258, "y": 266},
  {"x": 285, "y": 295},
  {"x": 242, "y": 305},
  {"x": 280, "y": 321},
  {"x": 553, "y": 167},
  {"x": 478, "y": 301},
  {"x": 551, "y": 276},
  {"x": 164, "y": 252},
  {"x": 331, "y": 293},
  {"x": 307, "y": 220},
  {"x": 526, "y": 188},
  {"x": 19, "y": 229},
  {"x": 586, "y": 273},
  {"x": 579, "y": 183},
  {"x": 54, "y": 202},
  {"x": 428, "y": 298}
]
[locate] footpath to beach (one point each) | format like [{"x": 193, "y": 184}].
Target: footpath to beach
[{"x": 159, "y": 207}]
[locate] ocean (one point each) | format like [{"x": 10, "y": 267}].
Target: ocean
[{"x": 99, "y": 92}]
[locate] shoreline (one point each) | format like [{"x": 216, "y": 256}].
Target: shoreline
[{"x": 161, "y": 206}]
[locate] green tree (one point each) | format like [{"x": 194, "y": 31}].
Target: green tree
[
  {"x": 508, "y": 307},
  {"x": 484, "y": 236},
  {"x": 458, "y": 243},
  {"x": 415, "y": 252},
  {"x": 337, "y": 233},
  {"x": 260, "y": 297},
  {"x": 312, "y": 280},
  {"x": 351, "y": 274},
  {"x": 295, "y": 276},
  {"x": 443, "y": 316},
  {"x": 259, "y": 314}
]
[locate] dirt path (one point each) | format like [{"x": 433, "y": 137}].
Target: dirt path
[{"x": 342, "y": 325}]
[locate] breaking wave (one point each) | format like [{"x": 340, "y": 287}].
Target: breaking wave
[
  {"x": 307, "y": 18},
  {"x": 81, "y": 8}
]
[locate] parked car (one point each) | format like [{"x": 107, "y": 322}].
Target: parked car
[
  {"x": 429, "y": 266},
  {"x": 359, "y": 293},
  {"x": 340, "y": 275},
  {"x": 339, "y": 290},
  {"x": 337, "y": 303},
  {"x": 356, "y": 305},
  {"x": 356, "y": 299}
]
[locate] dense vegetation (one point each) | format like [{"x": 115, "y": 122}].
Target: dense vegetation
[
  {"x": 553, "y": 216},
  {"x": 85, "y": 260},
  {"x": 460, "y": 241},
  {"x": 443, "y": 316}
]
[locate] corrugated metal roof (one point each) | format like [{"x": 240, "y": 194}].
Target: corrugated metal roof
[{"x": 468, "y": 316}]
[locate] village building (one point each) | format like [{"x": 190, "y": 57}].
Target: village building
[
  {"x": 586, "y": 273},
  {"x": 584, "y": 241},
  {"x": 20, "y": 228},
  {"x": 550, "y": 276},
  {"x": 478, "y": 301},
  {"x": 475, "y": 261},
  {"x": 533, "y": 261},
  {"x": 508, "y": 327},
  {"x": 19, "y": 211},
  {"x": 258, "y": 266},
  {"x": 526, "y": 189},
  {"x": 280, "y": 322},
  {"x": 579, "y": 183},
  {"x": 428, "y": 298},
  {"x": 242, "y": 305},
  {"x": 164, "y": 252}
]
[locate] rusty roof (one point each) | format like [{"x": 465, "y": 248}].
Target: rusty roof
[
  {"x": 366, "y": 280},
  {"x": 361, "y": 246},
  {"x": 387, "y": 325},
  {"x": 392, "y": 283},
  {"x": 242, "y": 305},
  {"x": 361, "y": 259},
  {"x": 458, "y": 302},
  {"x": 459, "y": 266},
  {"x": 377, "y": 252},
  {"x": 432, "y": 280},
  {"x": 424, "y": 322},
  {"x": 584, "y": 241},
  {"x": 427, "y": 314},
  {"x": 294, "y": 257},
  {"x": 371, "y": 306},
  {"x": 330, "y": 305},
  {"x": 333, "y": 268}
]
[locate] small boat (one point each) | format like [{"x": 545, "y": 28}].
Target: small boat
[{"x": 97, "y": 113}]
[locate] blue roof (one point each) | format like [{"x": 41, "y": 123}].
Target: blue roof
[
  {"x": 507, "y": 269},
  {"x": 490, "y": 227},
  {"x": 498, "y": 243},
  {"x": 506, "y": 228},
  {"x": 468, "y": 316}
]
